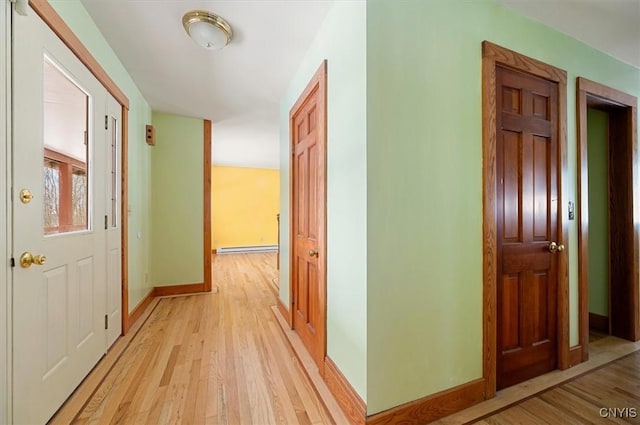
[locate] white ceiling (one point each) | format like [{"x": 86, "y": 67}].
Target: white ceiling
[
  {"x": 239, "y": 87},
  {"x": 65, "y": 114},
  {"x": 612, "y": 26}
]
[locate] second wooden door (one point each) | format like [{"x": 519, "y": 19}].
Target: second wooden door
[
  {"x": 307, "y": 121},
  {"x": 528, "y": 249}
]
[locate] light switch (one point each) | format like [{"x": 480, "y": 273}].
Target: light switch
[{"x": 572, "y": 211}]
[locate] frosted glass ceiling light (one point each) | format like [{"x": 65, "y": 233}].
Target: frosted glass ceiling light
[{"x": 208, "y": 30}]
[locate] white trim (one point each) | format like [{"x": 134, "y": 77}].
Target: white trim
[
  {"x": 240, "y": 249},
  {"x": 5, "y": 212}
]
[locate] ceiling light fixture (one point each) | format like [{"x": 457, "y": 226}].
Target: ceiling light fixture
[{"x": 208, "y": 30}]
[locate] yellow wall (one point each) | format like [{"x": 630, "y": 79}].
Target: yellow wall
[{"x": 244, "y": 204}]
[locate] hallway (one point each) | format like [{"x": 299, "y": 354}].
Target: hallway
[
  {"x": 218, "y": 358},
  {"x": 222, "y": 358}
]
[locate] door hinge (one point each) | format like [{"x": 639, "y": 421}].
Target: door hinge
[
  {"x": 106, "y": 222},
  {"x": 293, "y": 150},
  {"x": 21, "y": 6},
  {"x": 106, "y": 321},
  {"x": 106, "y": 122},
  {"x": 12, "y": 263}
]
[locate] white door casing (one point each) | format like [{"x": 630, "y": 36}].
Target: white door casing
[
  {"x": 5, "y": 209},
  {"x": 58, "y": 308},
  {"x": 113, "y": 200}
]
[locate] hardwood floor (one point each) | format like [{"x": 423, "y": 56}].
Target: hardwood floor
[
  {"x": 223, "y": 358},
  {"x": 610, "y": 394},
  {"x": 606, "y": 353},
  {"x": 218, "y": 358}
]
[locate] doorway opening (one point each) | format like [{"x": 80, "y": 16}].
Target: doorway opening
[{"x": 607, "y": 201}]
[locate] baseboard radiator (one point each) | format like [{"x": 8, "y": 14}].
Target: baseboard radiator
[{"x": 244, "y": 249}]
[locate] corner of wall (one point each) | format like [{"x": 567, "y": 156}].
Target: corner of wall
[{"x": 341, "y": 40}]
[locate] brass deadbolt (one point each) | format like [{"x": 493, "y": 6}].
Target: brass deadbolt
[{"x": 25, "y": 196}]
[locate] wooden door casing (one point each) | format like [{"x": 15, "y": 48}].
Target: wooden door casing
[
  {"x": 308, "y": 216},
  {"x": 527, "y": 212},
  {"x": 494, "y": 56},
  {"x": 624, "y": 317}
]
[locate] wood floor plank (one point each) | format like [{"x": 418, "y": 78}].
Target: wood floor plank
[
  {"x": 217, "y": 358},
  {"x": 546, "y": 412},
  {"x": 223, "y": 359},
  {"x": 584, "y": 400}
]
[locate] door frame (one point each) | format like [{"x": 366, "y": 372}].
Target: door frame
[
  {"x": 587, "y": 91},
  {"x": 319, "y": 80},
  {"x": 493, "y": 56},
  {"x": 206, "y": 225}
]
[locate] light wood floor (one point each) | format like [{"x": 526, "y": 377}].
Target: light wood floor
[
  {"x": 584, "y": 400},
  {"x": 218, "y": 358},
  {"x": 600, "y": 381},
  {"x": 222, "y": 358}
]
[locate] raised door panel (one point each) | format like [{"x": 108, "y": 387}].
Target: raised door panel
[{"x": 511, "y": 181}]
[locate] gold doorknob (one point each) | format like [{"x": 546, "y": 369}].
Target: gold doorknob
[
  {"x": 27, "y": 259},
  {"x": 313, "y": 253},
  {"x": 554, "y": 247}
]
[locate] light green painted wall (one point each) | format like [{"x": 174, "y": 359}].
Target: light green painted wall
[
  {"x": 424, "y": 183},
  {"x": 176, "y": 201},
  {"x": 78, "y": 19},
  {"x": 597, "y": 135},
  {"x": 340, "y": 40}
]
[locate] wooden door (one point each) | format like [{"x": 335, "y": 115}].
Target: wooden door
[
  {"x": 527, "y": 200},
  {"x": 58, "y": 232},
  {"x": 308, "y": 269}
]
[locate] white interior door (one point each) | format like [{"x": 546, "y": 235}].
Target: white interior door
[
  {"x": 113, "y": 155},
  {"x": 58, "y": 301}
]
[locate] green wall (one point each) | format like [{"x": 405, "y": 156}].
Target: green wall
[
  {"x": 424, "y": 183},
  {"x": 340, "y": 40},
  {"x": 78, "y": 19},
  {"x": 597, "y": 135},
  {"x": 176, "y": 201}
]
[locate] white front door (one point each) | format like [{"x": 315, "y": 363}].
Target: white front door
[
  {"x": 113, "y": 222},
  {"x": 59, "y": 209}
]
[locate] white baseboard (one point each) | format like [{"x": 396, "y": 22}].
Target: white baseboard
[{"x": 242, "y": 249}]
